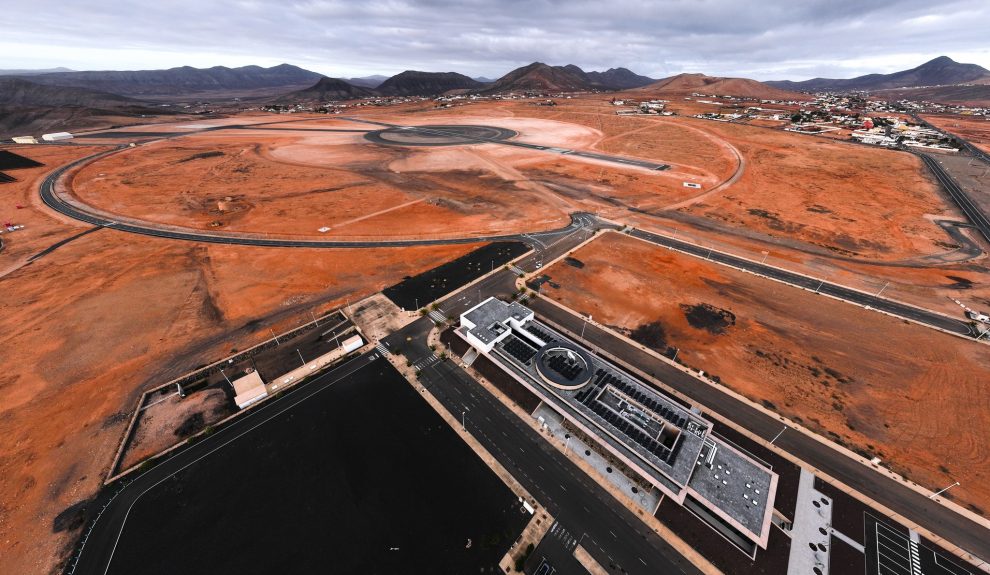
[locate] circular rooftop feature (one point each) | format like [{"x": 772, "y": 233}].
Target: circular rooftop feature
[
  {"x": 439, "y": 135},
  {"x": 564, "y": 366}
]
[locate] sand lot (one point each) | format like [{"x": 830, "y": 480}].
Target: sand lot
[{"x": 879, "y": 385}]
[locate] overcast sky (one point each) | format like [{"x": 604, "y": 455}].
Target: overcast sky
[{"x": 764, "y": 39}]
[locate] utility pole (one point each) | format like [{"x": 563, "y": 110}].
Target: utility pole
[
  {"x": 776, "y": 437},
  {"x": 883, "y": 288},
  {"x": 941, "y": 491}
]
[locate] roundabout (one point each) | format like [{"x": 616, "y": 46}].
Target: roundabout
[{"x": 439, "y": 135}]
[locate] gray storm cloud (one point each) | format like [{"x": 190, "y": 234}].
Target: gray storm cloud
[{"x": 770, "y": 39}]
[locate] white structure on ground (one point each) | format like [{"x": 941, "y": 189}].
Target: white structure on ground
[
  {"x": 25, "y": 140},
  {"x": 56, "y": 136},
  {"x": 249, "y": 389},
  {"x": 352, "y": 343},
  {"x": 653, "y": 435}
]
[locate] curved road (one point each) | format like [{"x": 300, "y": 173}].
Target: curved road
[{"x": 53, "y": 201}]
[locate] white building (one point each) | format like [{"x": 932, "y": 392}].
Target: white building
[
  {"x": 491, "y": 321},
  {"x": 249, "y": 389},
  {"x": 56, "y": 136}
]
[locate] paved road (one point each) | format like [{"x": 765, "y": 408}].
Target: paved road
[
  {"x": 99, "y": 548},
  {"x": 53, "y": 201},
  {"x": 896, "y": 308},
  {"x": 610, "y": 532},
  {"x": 962, "y": 199},
  {"x": 918, "y": 508}
]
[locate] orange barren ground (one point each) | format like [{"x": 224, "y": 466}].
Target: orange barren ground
[
  {"x": 975, "y": 129},
  {"x": 877, "y": 384},
  {"x": 85, "y": 329}
]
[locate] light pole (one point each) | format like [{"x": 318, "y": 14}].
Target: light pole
[
  {"x": 941, "y": 491},
  {"x": 776, "y": 437},
  {"x": 820, "y": 284},
  {"x": 708, "y": 257},
  {"x": 566, "y": 443},
  {"x": 225, "y": 377},
  {"x": 584, "y": 325},
  {"x": 881, "y": 289},
  {"x": 463, "y": 425},
  {"x": 275, "y": 336},
  {"x": 301, "y": 357},
  {"x": 764, "y": 260},
  {"x": 313, "y": 315}
]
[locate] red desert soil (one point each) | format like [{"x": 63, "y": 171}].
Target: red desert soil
[
  {"x": 879, "y": 385},
  {"x": 975, "y": 129},
  {"x": 88, "y": 327}
]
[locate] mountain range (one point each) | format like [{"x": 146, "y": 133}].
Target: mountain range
[
  {"x": 942, "y": 71},
  {"x": 182, "y": 81},
  {"x": 686, "y": 84}
]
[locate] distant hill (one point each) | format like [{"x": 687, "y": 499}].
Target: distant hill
[
  {"x": 415, "y": 83},
  {"x": 941, "y": 71},
  {"x": 33, "y": 72},
  {"x": 964, "y": 94},
  {"x": 618, "y": 79},
  {"x": 367, "y": 81},
  {"x": 185, "y": 80},
  {"x": 483, "y": 79},
  {"x": 325, "y": 90},
  {"x": 686, "y": 84},
  {"x": 570, "y": 78},
  {"x": 27, "y": 108},
  {"x": 20, "y": 92}
]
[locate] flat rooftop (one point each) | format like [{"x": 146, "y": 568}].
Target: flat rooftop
[
  {"x": 490, "y": 318},
  {"x": 632, "y": 418},
  {"x": 664, "y": 441},
  {"x": 730, "y": 481}
]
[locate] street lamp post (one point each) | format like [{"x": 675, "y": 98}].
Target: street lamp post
[
  {"x": 584, "y": 325},
  {"x": 941, "y": 491},
  {"x": 275, "y": 336},
  {"x": 463, "y": 425},
  {"x": 301, "y": 357},
  {"x": 314, "y": 319},
  {"x": 883, "y": 288},
  {"x": 776, "y": 437},
  {"x": 820, "y": 284},
  {"x": 225, "y": 377},
  {"x": 765, "y": 255}
]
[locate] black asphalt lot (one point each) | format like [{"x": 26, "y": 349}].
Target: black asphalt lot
[
  {"x": 823, "y": 287},
  {"x": 351, "y": 474},
  {"x": 892, "y": 494},
  {"x": 610, "y": 533}
]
